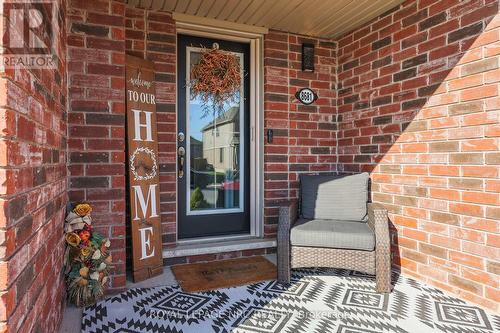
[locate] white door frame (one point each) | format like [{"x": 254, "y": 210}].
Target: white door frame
[{"x": 210, "y": 28}]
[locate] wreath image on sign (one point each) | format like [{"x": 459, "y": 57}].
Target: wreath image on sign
[
  {"x": 87, "y": 258},
  {"x": 143, "y": 164},
  {"x": 216, "y": 79}
]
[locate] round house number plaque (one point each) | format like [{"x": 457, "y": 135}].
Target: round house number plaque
[{"x": 306, "y": 96}]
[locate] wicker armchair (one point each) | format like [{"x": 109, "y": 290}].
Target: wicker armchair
[{"x": 376, "y": 261}]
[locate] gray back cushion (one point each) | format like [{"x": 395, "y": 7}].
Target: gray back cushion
[{"x": 334, "y": 197}]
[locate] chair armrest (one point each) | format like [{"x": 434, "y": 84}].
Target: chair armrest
[
  {"x": 378, "y": 221},
  {"x": 287, "y": 217}
]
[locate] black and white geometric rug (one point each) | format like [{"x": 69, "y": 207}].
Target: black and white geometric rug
[{"x": 317, "y": 300}]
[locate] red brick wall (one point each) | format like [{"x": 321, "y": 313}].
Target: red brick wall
[
  {"x": 33, "y": 191},
  {"x": 304, "y": 136},
  {"x": 419, "y": 108},
  {"x": 394, "y": 76},
  {"x": 96, "y": 118}
]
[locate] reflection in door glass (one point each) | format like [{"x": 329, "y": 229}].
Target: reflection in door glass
[{"x": 214, "y": 153}]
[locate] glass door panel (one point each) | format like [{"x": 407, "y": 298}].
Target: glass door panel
[
  {"x": 215, "y": 157},
  {"x": 212, "y": 187}
]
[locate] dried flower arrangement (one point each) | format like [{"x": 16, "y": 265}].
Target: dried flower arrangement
[
  {"x": 216, "y": 79},
  {"x": 86, "y": 259}
]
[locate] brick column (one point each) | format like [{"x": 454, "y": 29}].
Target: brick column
[
  {"x": 313, "y": 128},
  {"x": 276, "y": 110},
  {"x": 33, "y": 190},
  {"x": 304, "y": 136},
  {"x": 96, "y": 130}
]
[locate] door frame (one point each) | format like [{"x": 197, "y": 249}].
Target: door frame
[{"x": 211, "y": 28}]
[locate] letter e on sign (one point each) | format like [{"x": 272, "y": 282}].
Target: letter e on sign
[{"x": 146, "y": 249}]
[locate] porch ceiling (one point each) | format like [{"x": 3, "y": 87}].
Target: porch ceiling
[{"x": 321, "y": 18}]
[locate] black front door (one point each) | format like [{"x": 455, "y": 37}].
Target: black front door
[{"x": 213, "y": 150}]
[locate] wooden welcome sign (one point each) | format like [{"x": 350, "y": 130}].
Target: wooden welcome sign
[{"x": 144, "y": 187}]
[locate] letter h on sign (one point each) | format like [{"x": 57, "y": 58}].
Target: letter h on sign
[{"x": 138, "y": 125}]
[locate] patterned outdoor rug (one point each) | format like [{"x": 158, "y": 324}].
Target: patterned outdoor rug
[{"x": 322, "y": 300}]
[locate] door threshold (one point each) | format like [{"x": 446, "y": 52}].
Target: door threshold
[
  {"x": 191, "y": 249},
  {"x": 214, "y": 239}
]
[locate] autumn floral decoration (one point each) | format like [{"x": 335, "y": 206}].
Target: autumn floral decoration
[
  {"x": 87, "y": 258},
  {"x": 215, "y": 79}
]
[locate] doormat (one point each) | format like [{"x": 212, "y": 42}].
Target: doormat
[{"x": 224, "y": 274}]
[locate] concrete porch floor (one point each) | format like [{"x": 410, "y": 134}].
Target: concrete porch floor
[
  {"x": 410, "y": 307},
  {"x": 72, "y": 318}
]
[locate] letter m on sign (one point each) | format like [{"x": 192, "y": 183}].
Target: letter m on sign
[
  {"x": 142, "y": 204},
  {"x": 144, "y": 188}
]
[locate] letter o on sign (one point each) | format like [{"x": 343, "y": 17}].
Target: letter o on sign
[{"x": 306, "y": 96}]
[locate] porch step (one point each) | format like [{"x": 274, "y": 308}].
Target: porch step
[{"x": 182, "y": 250}]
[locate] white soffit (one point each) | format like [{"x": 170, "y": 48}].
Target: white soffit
[{"x": 320, "y": 18}]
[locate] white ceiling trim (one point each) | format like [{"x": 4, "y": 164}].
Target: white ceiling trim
[
  {"x": 190, "y": 21},
  {"x": 318, "y": 18}
]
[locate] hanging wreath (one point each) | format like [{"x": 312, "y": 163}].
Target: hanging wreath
[{"x": 216, "y": 79}]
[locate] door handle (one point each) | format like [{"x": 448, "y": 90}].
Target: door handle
[{"x": 180, "y": 153}]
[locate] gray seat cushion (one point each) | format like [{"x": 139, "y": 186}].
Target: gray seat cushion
[
  {"x": 332, "y": 234},
  {"x": 334, "y": 197}
]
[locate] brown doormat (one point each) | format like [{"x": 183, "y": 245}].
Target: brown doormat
[{"x": 224, "y": 273}]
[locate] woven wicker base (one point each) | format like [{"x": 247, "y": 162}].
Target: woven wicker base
[{"x": 361, "y": 261}]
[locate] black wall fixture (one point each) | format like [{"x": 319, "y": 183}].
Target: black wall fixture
[
  {"x": 308, "y": 57},
  {"x": 270, "y": 136}
]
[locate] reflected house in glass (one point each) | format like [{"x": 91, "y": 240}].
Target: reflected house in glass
[
  {"x": 220, "y": 152},
  {"x": 221, "y": 140},
  {"x": 196, "y": 147}
]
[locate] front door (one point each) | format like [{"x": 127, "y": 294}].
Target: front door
[{"x": 213, "y": 150}]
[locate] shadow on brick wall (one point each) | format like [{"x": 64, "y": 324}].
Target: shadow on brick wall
[{"x": 417, "y": 102}]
